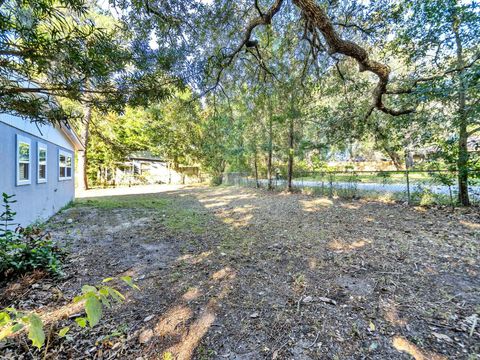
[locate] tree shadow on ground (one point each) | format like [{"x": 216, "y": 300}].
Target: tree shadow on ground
[{"x": 237, "y": 273}]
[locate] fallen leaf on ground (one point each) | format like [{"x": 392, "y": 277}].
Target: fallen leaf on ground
[
  {"x": 327, "y": 300},
  {"x": 442, "y": 337}
]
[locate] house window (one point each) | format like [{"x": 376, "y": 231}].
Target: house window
[
  {"x": 64, "y": 165},
  {"x": 42, "y": 163},
  {"x": 23, "y": 160}
]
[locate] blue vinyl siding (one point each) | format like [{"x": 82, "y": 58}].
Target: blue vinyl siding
[{"x": 36, "y": 200}]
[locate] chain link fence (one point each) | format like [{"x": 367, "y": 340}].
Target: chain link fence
[
  {"x": 413, "y": 187},
  {"x": 134, "y": 180}
]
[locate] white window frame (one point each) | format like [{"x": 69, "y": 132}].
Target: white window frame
[
  {"x": 42, "y": 146},
  {"x": 23, "y": 140},
  {"x": 66, "y": 154}
]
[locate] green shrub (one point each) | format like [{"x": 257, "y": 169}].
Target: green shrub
[
  {"x": 94, "y": 298},
  {"x": 25, "y": 249},
  {"x": 216, "y": 180}
]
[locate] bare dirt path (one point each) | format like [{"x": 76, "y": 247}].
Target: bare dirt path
[{"x": 234, "y": 273}]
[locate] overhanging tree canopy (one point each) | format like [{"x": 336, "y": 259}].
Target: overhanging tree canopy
[
  {"x": 51, "y": 49},
  {"x": 227, "y": 29}
]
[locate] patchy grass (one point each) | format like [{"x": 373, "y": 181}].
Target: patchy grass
[
  {"x": 175, "y": 215},
  {"x": 124, "y": 202},
  {"x": 180, "y": 219}
]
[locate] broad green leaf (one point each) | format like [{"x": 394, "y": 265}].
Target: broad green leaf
[
  {"x": 63, "y": 331},
  {"x": 107, "y": 279},
  {"x": 105, "y": 301},
  {"x": 88, "y": 289},
  {"x": 76, "y": 299},
  {"x": 81, "y": 321},
  {"x": 117, "y": 295},
  {"x": 4, "y": 318},
  {"x": 17, "y": 327},
  {"x": 36, "y": 333},
  {"x": 103, "y": 291},
  {"x": 93, "y": 308},
  {"x": 128, "y": 280}
]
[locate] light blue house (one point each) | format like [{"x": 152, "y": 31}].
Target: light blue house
[{"x": 37, "y": 165}]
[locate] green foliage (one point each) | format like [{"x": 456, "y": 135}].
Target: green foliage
[
  {"x": 94, "y": 298},
  {"x": 175, "y": 216},
  {"x": 12, "y": 321},
  {"x": 63, "y": 331},
  {"x": 93, "y": 308},
  {"x": 25, "y": 249},
  {"x": 81, "y": 321},
  {"x": 250, "y": 99},
  {"x": 443, "y": 178},
  {"x": 8, "y": 215},
  {"x": 143, "y": 202},
  {"x": 35, "y": 331},
  {"x": 129, "y": 282},
  {"x": 169, "y": 129},
  {"x": 173, "y": 129},
  {"x": 72, "y": 50},
  {"x": 113, "y": 137},
  {"x": 385, "y": 176}
]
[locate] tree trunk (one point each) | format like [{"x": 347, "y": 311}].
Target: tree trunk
[
  {"x": 395, "y": 157},
  {"x": 270, "y": 149},
  {"x": 462, "y": 165},
  {"x": 290, "y": 156},
  {"x": 83, "y": 163},
  {"x": 218, "y": 173},
  {"x": 383, "y": 140},
  {"x": 462, "y": 161},
  {"x": 255, "y": 164}
]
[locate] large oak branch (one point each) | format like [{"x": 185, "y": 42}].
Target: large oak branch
[{"x": 318, "y": 18}]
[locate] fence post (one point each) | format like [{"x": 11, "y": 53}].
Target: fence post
[
  {"x": 323, "y": 184},
  {"x": 330, "y": 179}
]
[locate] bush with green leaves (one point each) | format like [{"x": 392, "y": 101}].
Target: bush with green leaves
[
  {"x": 12, "y": 321},
  {"x": 97, "y": 297},
  {"x": 25, "y": 249},
  {"x": 94, "y": 299},
  {"x": 446, "y": 179}
]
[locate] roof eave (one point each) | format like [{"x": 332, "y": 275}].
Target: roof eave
[{"x": 72, "y": 136}]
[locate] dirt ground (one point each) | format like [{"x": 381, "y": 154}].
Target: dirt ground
[{"x": 235, "y": 273}]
